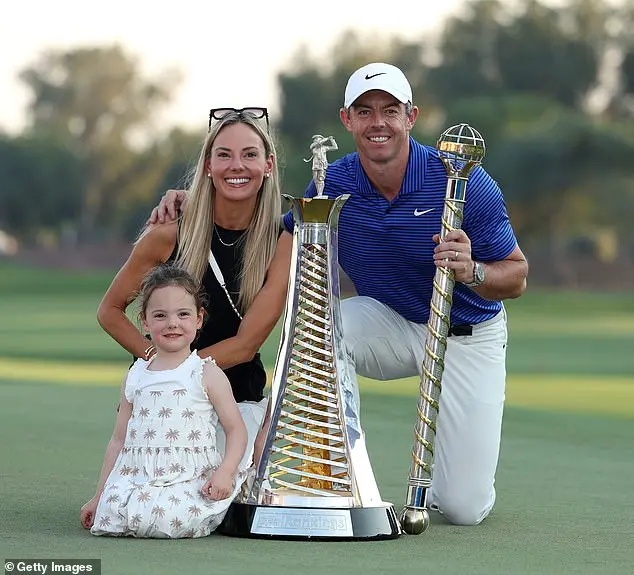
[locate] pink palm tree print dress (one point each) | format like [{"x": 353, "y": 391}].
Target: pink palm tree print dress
[{"x": 169, "y": 452}]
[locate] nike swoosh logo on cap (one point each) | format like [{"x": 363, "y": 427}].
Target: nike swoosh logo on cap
[
  {"x": 422, "y": 212},
  {"x": 369, "y": 77}
]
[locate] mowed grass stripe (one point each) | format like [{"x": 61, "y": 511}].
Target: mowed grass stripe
[
  {"x": 589, "y": 394},
  {"x": 613, "y": 395},
  {"x": 62, "y": 372},
  {"x": 610, "y": 325}
]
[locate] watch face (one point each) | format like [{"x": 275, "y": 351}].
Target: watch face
[{"x": 479, "y": 272}]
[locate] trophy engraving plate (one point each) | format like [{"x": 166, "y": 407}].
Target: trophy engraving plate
[{"x": 302, "y": 522}]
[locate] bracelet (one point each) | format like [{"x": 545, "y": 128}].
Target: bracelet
[{"x": 149, "y": 352}]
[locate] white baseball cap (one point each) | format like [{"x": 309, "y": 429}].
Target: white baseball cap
[{"x": 378, "y": 76}]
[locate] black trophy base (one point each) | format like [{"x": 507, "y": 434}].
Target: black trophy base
[{"x": 321, "y": 524}]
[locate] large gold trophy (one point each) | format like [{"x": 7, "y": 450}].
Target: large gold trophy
[
  {"x": 461, "y": 149},
  {"x": 314, "y": 479}
]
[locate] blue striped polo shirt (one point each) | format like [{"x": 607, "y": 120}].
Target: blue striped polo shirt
[{"x": 387, "y": 250}]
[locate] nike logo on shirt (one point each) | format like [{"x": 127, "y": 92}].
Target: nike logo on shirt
[{"x": 418, "y": 212}]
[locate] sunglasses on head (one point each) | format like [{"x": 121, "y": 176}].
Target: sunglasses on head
[{"x": 254, "y": 113}]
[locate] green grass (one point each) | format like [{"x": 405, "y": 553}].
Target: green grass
[
  {"x": 51, "y": 315},
  {"x": 565, "y": 501},
  {"x": 579, "y": 394},
  {"x": 24, "y": 280},
  {"x": 564, "y": 496},
  {"x": 571, "y": 332},
  {"x": 585, "y": 394}
]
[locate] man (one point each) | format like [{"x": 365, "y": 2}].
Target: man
[{"x": 389, "y": 247}]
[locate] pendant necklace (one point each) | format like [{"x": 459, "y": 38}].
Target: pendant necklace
[{"x": 230, "y": 244}]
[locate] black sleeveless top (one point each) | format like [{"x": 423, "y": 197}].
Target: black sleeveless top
[{"x": 247, "y": 379}]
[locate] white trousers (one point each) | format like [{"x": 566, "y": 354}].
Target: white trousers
[
  {"x": 252, "y": 413},
  {"x": 383, "y": 345}
]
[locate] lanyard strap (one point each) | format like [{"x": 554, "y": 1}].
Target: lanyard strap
[{"x": 221, "y": 280}]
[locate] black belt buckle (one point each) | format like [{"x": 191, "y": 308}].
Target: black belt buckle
[{"x": 461, "y": 329}]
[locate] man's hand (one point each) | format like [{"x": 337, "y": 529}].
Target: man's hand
[
  {"x": 167, "y": 210},
  {"x": 454, "y": 252}
]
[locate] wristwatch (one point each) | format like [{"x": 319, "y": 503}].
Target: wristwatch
[{"x": 478, "y": 275}]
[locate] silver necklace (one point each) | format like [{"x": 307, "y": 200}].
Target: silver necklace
[{"x": 227, "y": 245}]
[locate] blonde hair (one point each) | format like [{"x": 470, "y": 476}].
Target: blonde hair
[{"x": 196, "y": 226}]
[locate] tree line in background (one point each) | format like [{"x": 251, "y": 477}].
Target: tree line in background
[{"x": 551, "y": 90}]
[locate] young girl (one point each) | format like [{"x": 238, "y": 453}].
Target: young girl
[{"x": 163, "y": 475}]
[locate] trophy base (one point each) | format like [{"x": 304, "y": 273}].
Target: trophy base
[{"x": 323, "y": 524}]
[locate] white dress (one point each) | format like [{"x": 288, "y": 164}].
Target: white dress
[{"x": 170, "y": 451}]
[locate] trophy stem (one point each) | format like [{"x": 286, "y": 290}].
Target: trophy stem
[{"x": 415, "y": 517}]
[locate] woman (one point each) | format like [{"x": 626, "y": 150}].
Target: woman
[{"x": 228, "y": 238}]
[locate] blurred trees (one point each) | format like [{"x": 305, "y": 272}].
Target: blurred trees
[
  {"x": 40, "y": 185},
  {"x": 539, "y": 50},
  {"x": 551, "y": 90},
  {"x": 103, "y": 157}
]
